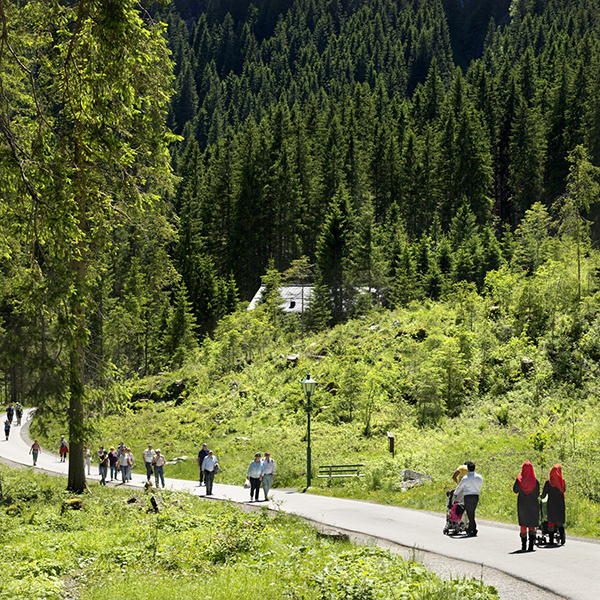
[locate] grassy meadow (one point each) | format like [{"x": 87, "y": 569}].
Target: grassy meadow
[
  {"x": 499, "y": 378},
  {"x": 110, "y": 549}
]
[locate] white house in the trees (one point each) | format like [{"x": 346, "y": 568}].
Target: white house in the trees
[{"x": 296, "y": 298}]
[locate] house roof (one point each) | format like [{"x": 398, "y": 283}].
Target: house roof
[{"x": 292, "y": 297}]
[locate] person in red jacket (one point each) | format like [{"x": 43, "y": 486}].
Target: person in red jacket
[
  {"x": 528, "y": 489},
  {"x": 554, "y": 488}
]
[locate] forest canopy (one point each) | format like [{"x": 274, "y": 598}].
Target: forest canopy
[{"x": 399, "y": 146}]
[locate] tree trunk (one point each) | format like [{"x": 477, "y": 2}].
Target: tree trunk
[
  {"x": 79, "y": 339},
  {"x": 76, "y": 480}
]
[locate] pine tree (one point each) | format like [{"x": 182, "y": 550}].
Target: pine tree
[
  {"x": 527, "y": 158},
  {"x": 583, "y": 190},
  {"x": 180, "y": 341},
  {"x": 333, "y": 251}
]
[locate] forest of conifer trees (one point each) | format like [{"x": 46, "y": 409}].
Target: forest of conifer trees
[{"x": 398, "y": 144}]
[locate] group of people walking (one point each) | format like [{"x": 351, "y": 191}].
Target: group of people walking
[
  {"x": 13, "y": 410},
  {"x": 260, "y": 472},
  {"x": 527, "y": 488},
  {"x": 119, "y": 460},
  {"x": 209, "y": 467}
]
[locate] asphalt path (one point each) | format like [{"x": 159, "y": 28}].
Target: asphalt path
[{"x": 569, "y": 571}]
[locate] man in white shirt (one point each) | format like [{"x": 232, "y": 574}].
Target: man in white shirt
[
  {"x": 210, "y": 464},
  {"x": 470, "y": 486},
  {"x": 268, "y": 472},
  {"x": 148, "y": 458}
]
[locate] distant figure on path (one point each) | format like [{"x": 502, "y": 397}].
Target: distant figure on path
[
  {"x": 19, "y": 413},
  {"x": 87, "y": 459},
  {"x": 35, "y": 450},
  {"x": 528, "y": 488},
  {"x": 124, "y": 464},
  {"x": 554, "y": 488},
  {"x": 100, "y": 454},
  {"x": 201, "y": 456},
  {"x": 148, "y": 458},
  {"x": 131, "y": 462},
  {"x": 255, "y": 473},
  {"x": 63, "y": 449},
  {"x": 6, "y": 428},
  {"x": 470, "y": 487},
  {"x": 159, "y": 466},
  {"x": 113, "y": 460},
  {"x": 103, "y": 466},
  {"x": 268, "y": 471},
  {"x": 10, "y": 413},
  {"x": 210, "y": 465}
]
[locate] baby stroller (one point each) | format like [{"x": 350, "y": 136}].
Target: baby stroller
[
  {"x": 543, "y": 534},
  {"x": 454, "y": 516}
]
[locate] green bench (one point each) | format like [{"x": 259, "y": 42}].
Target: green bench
[{"x": 333, "y": 471}]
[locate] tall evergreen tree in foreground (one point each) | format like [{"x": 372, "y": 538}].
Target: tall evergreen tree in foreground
[{"x": 84, "y": 90}]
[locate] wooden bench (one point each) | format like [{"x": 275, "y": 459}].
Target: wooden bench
[{"x": 333, "y": 471}]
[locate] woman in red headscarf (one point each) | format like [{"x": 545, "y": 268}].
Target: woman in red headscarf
[
  {"x": 554, "y": 488},
  {"x": 528, "y": 488}
]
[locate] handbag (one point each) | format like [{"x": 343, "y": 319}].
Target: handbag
[{"x": 247, "y": 484}]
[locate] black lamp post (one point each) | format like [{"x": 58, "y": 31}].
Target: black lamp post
[{"x": 308, "y": 385}]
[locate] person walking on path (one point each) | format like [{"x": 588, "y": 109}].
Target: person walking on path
[
  {"x": 131, "y": 463},
  {"x": 10, "y": 413},
  {"x": 113, "y": 460},
  {"x": 201, "y": 456},
  {"x": 554, "y": 489},
  {"x": 149, "y": 455},
  {"x": 6, "y": 428},
  {"x": 63, "y": 448},
  {"x": 100, "y": 454},
  {"x": 87, "y": 459},
  {"x": 103, "y": 466},
  {"x": 268, "y": 471},
  {"x": 528, "y": 489},
  {"x": 470, "y": 487},
  {"x": 19, "y": 413},
  {"x": 159, "y": 467},
  {"x": 210, "y": 465},
  {"x": 125, "y": 465},
  {"x": 35, "y": 450},
  {"x": 255, "y": 473}
]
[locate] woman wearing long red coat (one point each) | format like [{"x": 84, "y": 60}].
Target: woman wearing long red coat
[
  {"x": 554, "y": 488},
  {"x": 528, "y": 488}
]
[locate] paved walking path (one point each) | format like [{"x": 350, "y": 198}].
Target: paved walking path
[{"x": 569, "y": 571}]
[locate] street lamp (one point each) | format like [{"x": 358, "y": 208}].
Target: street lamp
[{"x": 308, "y": 385}]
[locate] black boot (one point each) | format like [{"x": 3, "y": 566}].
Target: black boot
[
  {"x": 551, "y": 536},
  {"x": 561, "y": 533},
  {"x": 523, "y": 542},
  {"x": 531, "y": 541}
]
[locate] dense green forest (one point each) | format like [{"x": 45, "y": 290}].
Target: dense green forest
[{"x": 401, "y": 146}]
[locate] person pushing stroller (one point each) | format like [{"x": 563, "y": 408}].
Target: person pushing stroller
[{"x": 470, "y": 486}]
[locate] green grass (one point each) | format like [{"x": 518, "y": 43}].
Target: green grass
[
  {"x": 110, "y": 550},
  {"x": 445, "y": 377}
]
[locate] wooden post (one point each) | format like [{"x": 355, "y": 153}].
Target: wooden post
[{"x": 391, "y": 442}]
